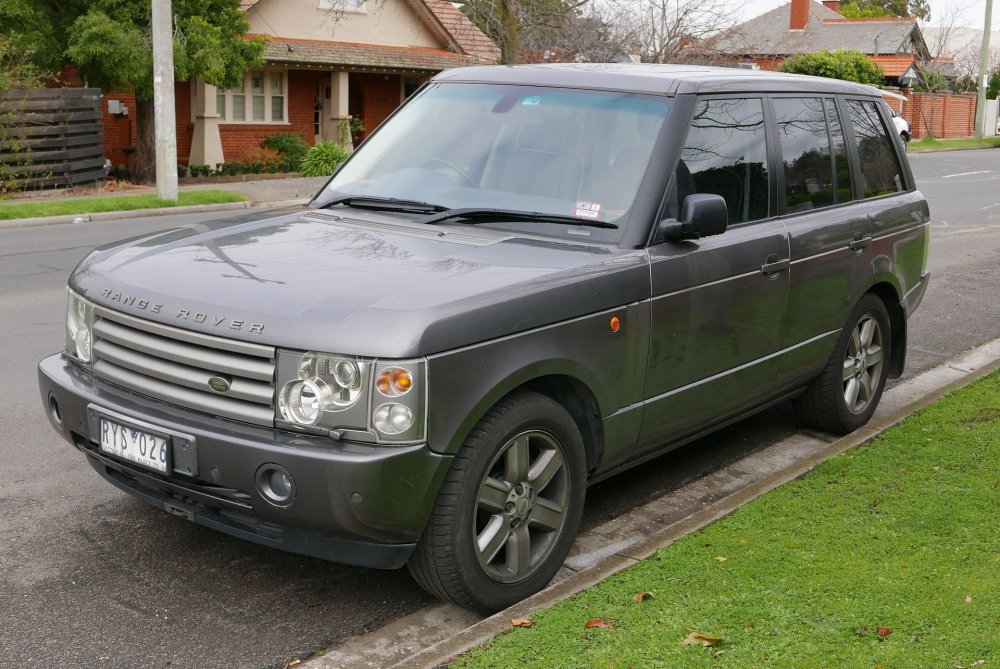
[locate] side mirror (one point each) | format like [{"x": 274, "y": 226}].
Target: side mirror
[{"x": 702, "y": 215}]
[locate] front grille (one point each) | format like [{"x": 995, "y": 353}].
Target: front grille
[{"x": 175, "y": 366}]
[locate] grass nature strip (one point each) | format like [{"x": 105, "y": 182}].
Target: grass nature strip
[
  {"x": 93, "y": 205},
  {"x": 935, "y": 144},
  {"x": 885, "y": 556}
]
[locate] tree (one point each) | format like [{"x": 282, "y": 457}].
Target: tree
[
  {"x": 676, "y": 31},
  {"x": 517, "y": 24},
  {"x": 110, "y": 43},
  {"x": 993, "y": 85},
  {"x": 844, "y": 64},
  {"x": 15, "y": 73},
  {"x": 867, "y": 9}
]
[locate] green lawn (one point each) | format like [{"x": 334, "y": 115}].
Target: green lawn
[
  {"x": 934, "y": 144},
  {"x": 902, "y": 534},
  {"x": 93, "y": 205}
]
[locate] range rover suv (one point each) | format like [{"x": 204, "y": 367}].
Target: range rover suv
[{"x": 527, "y": 280}]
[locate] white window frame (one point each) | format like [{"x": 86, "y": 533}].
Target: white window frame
[{"x": 227, "y": 118}]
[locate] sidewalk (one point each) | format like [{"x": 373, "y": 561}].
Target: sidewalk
[{"x": 258, "y": 193}]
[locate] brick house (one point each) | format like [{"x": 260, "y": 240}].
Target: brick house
[
  {"x": 896, "y": 44},
  {"x": 327, "y": 61}
]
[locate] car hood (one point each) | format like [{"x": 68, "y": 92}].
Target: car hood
[{"x": 368, "y": 283}]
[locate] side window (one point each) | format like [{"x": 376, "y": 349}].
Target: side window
[
  {"x": 880, "y": 173},
  {"x": 725, "y": 155},
  {"x": 805, "y": 151},
  {"x": 842, "y": 164}
]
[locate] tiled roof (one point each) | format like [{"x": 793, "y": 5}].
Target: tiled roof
[
  {"x": 314, "y": 52},
  {"x": 895, "y": 65},
  {"x": 768, "y": 34}
]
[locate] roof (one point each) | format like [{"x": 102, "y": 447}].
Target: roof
[
  {"x": 316, "y": 52},
  {"x": 651, "y": 78},
  {"x": 769, "y": 34},
  {"x": 894, "y": 65},
  {"x": 461, "y": 34}
]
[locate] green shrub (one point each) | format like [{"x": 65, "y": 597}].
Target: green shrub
[
  {"x": 200, "y": 170},
  {"x": 182, "y": 171},
  {"x": 839, "y": 64},
  {"x": 289, "y": 145},
  {"x": 322, "y": 159}
]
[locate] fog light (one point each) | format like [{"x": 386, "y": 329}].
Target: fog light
[
  {"x": 276, "y": 484},
  {"x": 392, "y": 418}
]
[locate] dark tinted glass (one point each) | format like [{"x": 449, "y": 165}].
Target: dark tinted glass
[
  {"x": 805, "y": 150},
  {"x": 726, "y": 155},
  {"x": 880, "y": 172},
  {"x": 842, "y": 164}
]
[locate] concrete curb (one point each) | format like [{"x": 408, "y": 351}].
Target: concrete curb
[
  {"x": 401, "y": 640},
  {"x": 143, "y": 213}
]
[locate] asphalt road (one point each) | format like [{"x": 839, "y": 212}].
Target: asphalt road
[{"x": 90, "y": 577}]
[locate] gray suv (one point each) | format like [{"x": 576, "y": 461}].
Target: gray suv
[{"x": 529, "y": 279}]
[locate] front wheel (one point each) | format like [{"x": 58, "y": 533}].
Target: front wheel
[
  {"x": 844, "y": 396},
  {"x": 509, "y": 508}
]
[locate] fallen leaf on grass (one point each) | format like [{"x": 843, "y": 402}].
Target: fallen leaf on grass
[
  {"x": 750, "y": 623},
  {"x": 883, "y": 631},
  {"x": 978, "y": 663},
  {"x": 861, "y": 630},
  {"x": 968, "y": 599},
  {"x": 701, "y": 638},
  {"x": 718, "y": 653},
  {"x": 721, "y": 559},
  {"x": 596, "y": 622},
  {"x": 520, "y": 622},
  {"x": 643, "y": 596}
]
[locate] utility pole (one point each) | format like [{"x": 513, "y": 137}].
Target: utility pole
[
  {"x": 164, "y": 114},
  {"x": 984, "y": 63}
]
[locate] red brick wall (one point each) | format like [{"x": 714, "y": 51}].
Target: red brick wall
[
  {"x": 378, "y": 94},
  {"x": 119, "y": 131},
  {"x": 942, "y": 115}
]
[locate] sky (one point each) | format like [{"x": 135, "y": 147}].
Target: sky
[{"x": 970, "y": 13}]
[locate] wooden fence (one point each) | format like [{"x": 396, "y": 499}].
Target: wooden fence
[{"x": 52, "y": 136}]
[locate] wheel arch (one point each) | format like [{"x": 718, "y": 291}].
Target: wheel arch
[{"x": 888, "y": 292}]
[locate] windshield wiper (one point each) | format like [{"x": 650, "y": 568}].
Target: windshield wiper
[
  {"x": 479, "y": 215},
  {"x": 386, "y": 204}
]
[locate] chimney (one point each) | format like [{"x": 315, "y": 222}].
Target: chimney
[
  {"x": 832, "y": 4},
  {"x": 800, "y": 14}
]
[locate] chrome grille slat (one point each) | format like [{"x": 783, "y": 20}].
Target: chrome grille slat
[
  {"x": 182, "y": 375},
  {"x": 197, "y": 338},
  {"x": 186, "y": 354},
  {"x": 175, "y": 366}
]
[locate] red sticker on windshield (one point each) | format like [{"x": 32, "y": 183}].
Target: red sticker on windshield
[{"x": 588, "y": 209}]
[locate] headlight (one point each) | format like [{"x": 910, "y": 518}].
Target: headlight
[
  {"x": 363, "y": 400},
  {"x": 79, "y": 325},
  {"x": 323, "y": 384}
]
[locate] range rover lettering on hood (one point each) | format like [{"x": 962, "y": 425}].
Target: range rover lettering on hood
[{"x": 221, "y": 322}]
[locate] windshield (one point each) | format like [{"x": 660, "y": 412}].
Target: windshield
[{"x": 569, "y": 152}]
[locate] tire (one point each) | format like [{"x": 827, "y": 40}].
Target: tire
[
  {"x": 844, "y": 396},
  {"x": 509, "y": 508}
]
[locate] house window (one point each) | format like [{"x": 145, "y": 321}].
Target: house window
[
  {"x": 261, "y": 98},
  {"x": 343, "y": 5}
]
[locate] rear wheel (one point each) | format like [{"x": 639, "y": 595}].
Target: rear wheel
[
  {"x": 844, "y": 396},
  {"x": 509, "y": 509}
]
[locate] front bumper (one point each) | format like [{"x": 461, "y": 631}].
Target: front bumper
[{"x": 355, "y": 503}]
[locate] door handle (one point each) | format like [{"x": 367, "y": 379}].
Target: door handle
[
  {"x": 772, "y": 265},
  {"x": 859, "y": 243}
]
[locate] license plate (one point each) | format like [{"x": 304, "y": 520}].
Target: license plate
[{"x": 142, "y": 448}]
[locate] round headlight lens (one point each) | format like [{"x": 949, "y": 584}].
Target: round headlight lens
[
  {"x": 345, "y": 373},
  {"x": 392, "y": 418},
  {"x": 302, "y": 402}
]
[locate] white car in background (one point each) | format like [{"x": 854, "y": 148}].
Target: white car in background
[{"x": 902, "y": 127}]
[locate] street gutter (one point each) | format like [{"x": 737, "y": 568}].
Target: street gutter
[{"x": 437, "y": 634}]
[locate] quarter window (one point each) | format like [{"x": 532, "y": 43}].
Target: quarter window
[
  {"x": 805, "y": 151},
  {"x": 841, "y": 162},
  {"x": 880, "y": 173},
  {"x": 726, "y": 155}
]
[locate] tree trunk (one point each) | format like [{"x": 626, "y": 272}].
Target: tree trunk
[
  {"x": 145, "y": 152},
  {"x": 510, "y": 43}
]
